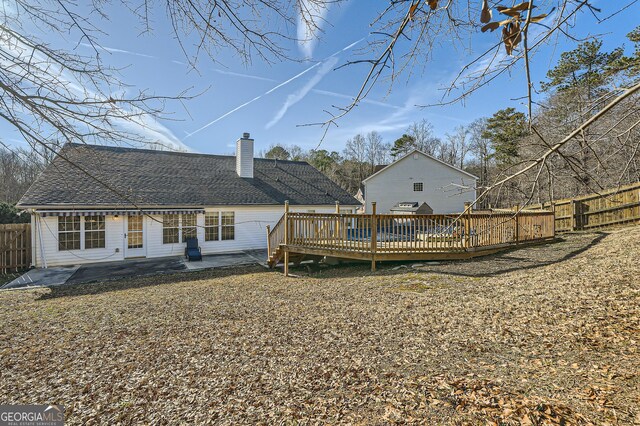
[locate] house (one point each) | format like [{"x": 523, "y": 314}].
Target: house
[
  {"x": 419, "y": 178},
  {"x": 105, "y": 203},
  {"x": 411, "y": 207}
]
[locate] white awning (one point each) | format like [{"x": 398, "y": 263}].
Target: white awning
[{"x": 45, "y": 213}]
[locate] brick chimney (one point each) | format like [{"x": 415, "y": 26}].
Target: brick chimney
[{"x": 244, "y": 156}]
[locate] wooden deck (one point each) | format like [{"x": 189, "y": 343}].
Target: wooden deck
[{"x": 391, "y": 237}]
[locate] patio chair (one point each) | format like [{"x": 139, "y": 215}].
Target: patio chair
[{"x": 192, "y": 250}]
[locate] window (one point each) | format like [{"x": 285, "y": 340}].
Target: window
[
  {"x": 211, "y": 226},
  {"x": 94, "y": 232},
  {"x": 188, "y": 226},
  {"x": 170, "y": 228},
  {"x": 417, "y": 187},
  {"x": 69, "y": 233},
  {"x": 228, "y": 226},
  {"x": 135, "y": 231}
]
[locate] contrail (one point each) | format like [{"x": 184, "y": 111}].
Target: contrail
[
  {"x": 296, "y": 97},
  {"x": 284, "y": 83}
]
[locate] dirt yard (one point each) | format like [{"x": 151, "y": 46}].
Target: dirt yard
[{"x": 543, "y": 335}]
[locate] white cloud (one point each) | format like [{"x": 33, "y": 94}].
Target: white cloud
[
  {"x": 311, "y": 19},
  {"x": 297, "y": 96},
  {"x": 132, "y": 119}
]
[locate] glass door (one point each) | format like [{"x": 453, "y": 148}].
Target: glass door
[{"x": 134, "y": 246}]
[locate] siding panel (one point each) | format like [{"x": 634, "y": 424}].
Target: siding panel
[{"x": 441, "y": 186}]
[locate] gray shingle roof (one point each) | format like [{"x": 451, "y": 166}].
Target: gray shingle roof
[{"x": 159, "y": 178}]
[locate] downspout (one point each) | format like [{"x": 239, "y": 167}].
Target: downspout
[{"x": 40, "y": 242}]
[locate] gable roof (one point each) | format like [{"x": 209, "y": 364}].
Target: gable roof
[
  {"x": 426, "y": 155},
  {"x": 145, "y": 177}
]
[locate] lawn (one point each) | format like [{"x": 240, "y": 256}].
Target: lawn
[{"x": 544, "y": 335}]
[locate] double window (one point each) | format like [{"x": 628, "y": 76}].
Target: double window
[
  {"x": 77, "y": 232},
  {"x": 219, "y": 226},
  {"x": 179, "y": 227}
]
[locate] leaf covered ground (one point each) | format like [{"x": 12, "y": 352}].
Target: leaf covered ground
[{"x": 544, "y": 335}]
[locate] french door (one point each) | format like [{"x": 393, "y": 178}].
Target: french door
[{"x": 134, "y": 240}]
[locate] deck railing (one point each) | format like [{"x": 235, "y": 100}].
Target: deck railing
[
  {"x": 416, "y": 233},
  {"x": 399, "y": 236},
  {"x": 496, "y": 229},
  {"x": 275, "y": 236},
  {"x": 393, "y": 233}
]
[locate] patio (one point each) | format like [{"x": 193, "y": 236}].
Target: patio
[{"x": 92, "y": 272}]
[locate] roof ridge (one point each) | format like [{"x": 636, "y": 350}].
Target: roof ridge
[{"x": 159, "y": 151}]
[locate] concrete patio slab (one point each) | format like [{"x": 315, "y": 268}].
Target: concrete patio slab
[
  {"x": 127, "y": 268},
  {"x": 103, "y": 271},
  {"x": 248, "y": 257},
  {"x": 41, "y": 277}
]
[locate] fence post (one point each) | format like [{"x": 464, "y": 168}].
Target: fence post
[
  {"x": 517, "y": 230},
  {"x": 574, "y": 219},
  {"x": 286, "y": 238},
  {"x": 268, "y": 243},
  {"x": 374, "y": 235},
  {"x": 467, "y": 224}
]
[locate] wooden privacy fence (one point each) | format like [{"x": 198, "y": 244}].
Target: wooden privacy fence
[
  {"x": 619, "y": 206},
  {"x": 404, "y": 237},
  {"x": 15, "y": 247}
]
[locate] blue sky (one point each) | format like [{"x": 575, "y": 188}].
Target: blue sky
[{"x": 271, "y": 101}]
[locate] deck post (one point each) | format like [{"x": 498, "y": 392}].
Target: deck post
[
  {"x": 336, "y": 231},
  {"x": 268, "y": 243},
  {"x": 286, "y": 238},
  {"x": 467, "y": 224},
  {"x": 374, "y": 235}
]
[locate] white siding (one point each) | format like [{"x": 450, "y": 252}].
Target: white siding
[
  {"x": 250, "y": 233},
  {"x": 114, "y": 244},
  {"x": 441, "y": 185}
]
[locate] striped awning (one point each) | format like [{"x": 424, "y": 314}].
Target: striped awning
[{"x": 45, "y": 213}]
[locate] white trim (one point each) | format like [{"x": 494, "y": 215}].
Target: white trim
[
  {"x": 426, "y": 155},
  {"x": 41, "y": 241}
]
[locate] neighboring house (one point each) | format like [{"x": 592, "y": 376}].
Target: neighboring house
[
  {"x": 419, "y": 178},
  {"x": 103, "y": 203}
]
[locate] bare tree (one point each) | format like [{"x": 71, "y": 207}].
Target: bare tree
[
  {"x": 424, "y": 137},
  {"x": 377, "y": 151},
  {"x": 457, "y": 146},
  {"x": 54, "y": 96}
]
